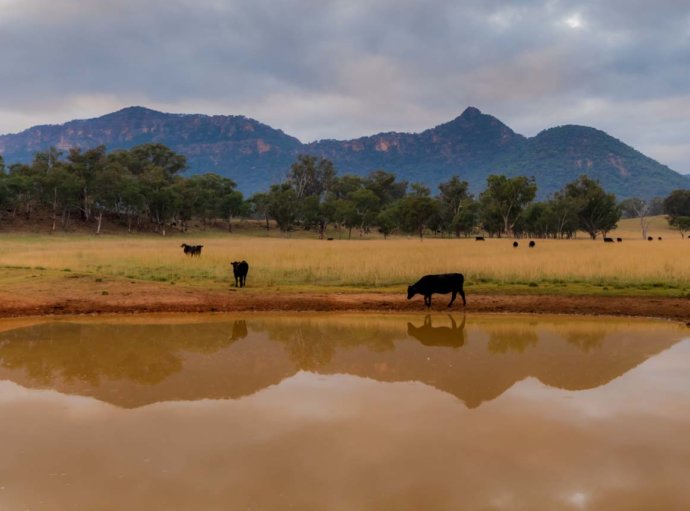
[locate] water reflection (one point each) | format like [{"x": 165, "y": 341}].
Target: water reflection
[
  {"x": 345, "y": 412},
  {"x": 428, "y": 335},
  {"x": 133, "y": 364}
]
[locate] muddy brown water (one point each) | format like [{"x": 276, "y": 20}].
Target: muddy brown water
[{"x": 344, "y": 412}]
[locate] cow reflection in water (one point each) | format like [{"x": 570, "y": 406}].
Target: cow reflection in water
[
  {"x": 446, "y": 336},
  {"x": 239, "y": 330}
]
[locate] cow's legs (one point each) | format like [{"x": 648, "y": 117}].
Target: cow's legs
[
  {"x": 462, "y": 294},
  {"x": 452, "y": 298}
]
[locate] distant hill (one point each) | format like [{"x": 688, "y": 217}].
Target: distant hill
[{"x": 472, "y": 146}]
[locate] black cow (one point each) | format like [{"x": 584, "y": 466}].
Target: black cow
[
  {"x": 532, "y": 243},
  {"x": 619, "y": 240},
  {"x": 192, "y": 250},
  {"x": 649, "y": 238},
  {"x": 442, "y": 284},
  {"x": 659, "y": 238},
  {"x": 479, "y": 238},
  {"x": 608, "y": 240},
  {"x": 515, "y": 244},
  {"x": 240, "y": 270}
]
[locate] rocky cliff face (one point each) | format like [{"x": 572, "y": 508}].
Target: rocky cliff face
[{"x": 472, "y": 146}]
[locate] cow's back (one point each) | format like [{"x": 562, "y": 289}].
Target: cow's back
[{"x": 442, "y": 283}]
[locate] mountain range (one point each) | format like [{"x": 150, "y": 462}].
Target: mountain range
[{"x": 472, "y": 146}]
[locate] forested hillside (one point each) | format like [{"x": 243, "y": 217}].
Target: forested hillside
[{"x": 472, "y": 146}]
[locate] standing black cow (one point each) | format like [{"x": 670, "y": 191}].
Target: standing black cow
[
  {"x": 442, "y": 284},
  {"x": 240, "y": 270},
  {"x": 192, "y": 250},
  {"x": 515, "y": 244}
]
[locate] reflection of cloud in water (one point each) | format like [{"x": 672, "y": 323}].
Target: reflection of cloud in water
[
  {"x": 474, "y": 359},
  {"x": 343, "y": 442}
]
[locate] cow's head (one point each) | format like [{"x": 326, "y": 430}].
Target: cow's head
[{"x": 411, "y": 292}]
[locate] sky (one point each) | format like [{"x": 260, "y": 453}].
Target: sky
[{"x": 348, "y": 68}]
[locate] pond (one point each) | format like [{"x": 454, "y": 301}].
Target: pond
[{"x": 344, "y": 412}]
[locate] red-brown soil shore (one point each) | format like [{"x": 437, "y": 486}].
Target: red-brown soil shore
[{"x": 151, "y": 298}]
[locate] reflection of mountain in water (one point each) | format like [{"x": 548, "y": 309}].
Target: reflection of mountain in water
[{"x": 132, "y": 365}]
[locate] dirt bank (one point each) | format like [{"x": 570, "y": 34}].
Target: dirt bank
[{"x": 124, "y": 297}]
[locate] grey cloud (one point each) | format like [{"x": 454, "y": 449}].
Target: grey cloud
[{"x": 344, "y": 68}]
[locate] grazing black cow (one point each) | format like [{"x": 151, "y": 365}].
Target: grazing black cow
[
  {"x": 608, "y": 240},
  {"x": 515, "y": 244},
  {"x": 619, "y": 240},
  {"x": 240, "y": 270},
  {"x": 532, "y": 244},
  {"x": 450, "y": 337},
  {"x": 649, "y": 238},
  {"x": 192, "y": 250},
  {"x": 442, "y": 284},
  {"x": 479, "y": 238}
]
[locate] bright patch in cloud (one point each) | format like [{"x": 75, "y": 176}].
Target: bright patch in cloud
[{"x": 574, "y": 21}]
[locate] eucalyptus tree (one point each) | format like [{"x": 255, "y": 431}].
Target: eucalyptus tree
[
  {"x": 283, "y": 206},
  {"x": 366, "y": 205},
  {"x": 453, "y": 197},
  {"x": 506, "y": 197},
  {"x": 388, "y": 219},
  {"x": 564, "y": 211},
  {"x": 467, "y": 218},
  {"x": 597, "y": 210},
  {"x": 635, "y": 207},
  {"x": 86, "y": 166},
  {"x": 385, "y": 186},
  {"x": 311, "y": 175},
  {"x": 259, "y": 204},
  {"x": 677, "y": 207},
  {"x": 232, "y": 202},
  {"x": 24, "y": 189},
  {"x": 417, "y": 209}
]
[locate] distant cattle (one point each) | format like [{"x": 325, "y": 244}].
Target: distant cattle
[
  {"x": 532, "y": 244},
  {"x": 659, "y": 238},
  {"x": 649, "y": 238},
  {"x": 192, "y": 250},
  {"x": 442, "y": 284},
  {"x": 240, "y": 270},
  {"x": 619, "y": 240},
  {"x": 515, "y": 244},
  {"x": 479, "y": 238},
  {"x": 608, "y": 240}
]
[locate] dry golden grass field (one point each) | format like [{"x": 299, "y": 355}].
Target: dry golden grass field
[{"x": 579, "y": 266}]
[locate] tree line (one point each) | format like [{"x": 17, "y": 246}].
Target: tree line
[{"x": 143, "y": 189}]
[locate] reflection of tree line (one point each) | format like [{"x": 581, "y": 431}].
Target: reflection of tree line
[
  {"x": 148, "y": 354},
  {"x": 83, "y": 352},
  {"x": 311, "y": 345}
]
